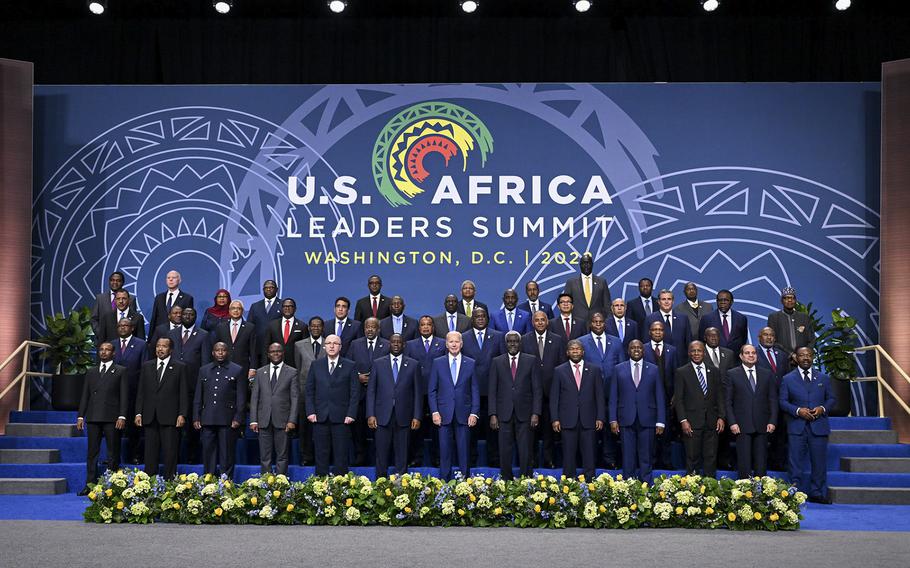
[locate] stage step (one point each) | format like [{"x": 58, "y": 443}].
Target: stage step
[
  {"x": 876, "y": 465},
  {"x": 870, "y": 495},
  {"x": 43, "y": 416},
  {"x": 30, "y": 456},
  {"x": 859, "y": 423},
  {"x": 34, "y": 429},
  {"x": 32, "y": 486},
  {"x": 863, "y": 437}
]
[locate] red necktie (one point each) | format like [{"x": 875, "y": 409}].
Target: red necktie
[
  {"x": 771, "y": 360},
  {"x": 657, "y": 350},
  {"x": 375, "y": 307},
  {"x": 568, "y": 329},
  {"x": 287, "y": 329},
  {"x": 514, "y": 367}
]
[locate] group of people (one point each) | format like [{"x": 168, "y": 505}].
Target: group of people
[{"x": 609, "y": 380}]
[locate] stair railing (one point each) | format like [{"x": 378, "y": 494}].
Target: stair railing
[
  {"x": 881, "y": 383},
  {"x": 26, "y": 373}
]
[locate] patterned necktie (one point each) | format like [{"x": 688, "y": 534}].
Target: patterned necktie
[
  {"x": 726, "y": 329},
  {"x": 122, "y": 315},
  {"x": 514, "y": 367},
  {"x": 636, "y": 375},
  {"x": 122, "y": 345},
  {"x": 395, "y": 370},
  {"x": 453, "y": 368},
  {"x": 468, "y": 308},
  {"x": 234, "y": 327},
  {"x": 103, "y": 368},
  {"x": 657, "y": 350},
  {"x": 648, "y": 306},
  {"x": 568, "y": 328},
  {"x": 186, "y": 335},
  {"x": 375, "y": 307},
  {"x": 752, "y": 379},
  {"x": 113, "y": 301},
  {"x": 331, "y": 367},
  {"x": 274, "y": 380},
  {"x": 578, "y": 376},
  {"x": 771, "y": 360},
  {"x": 268, "y": 306},
  {"x": 287, "y": 330},
  {"x": 702, "y": 381},
  {"x": 426, "y": 345},
  {"x": 533, "y": 306}
]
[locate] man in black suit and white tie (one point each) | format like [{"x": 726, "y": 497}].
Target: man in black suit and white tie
[
  {"x": 171, "y": 297},
  {"x": 273, "y": 410},
  {"x": 102, "y": 411},
  {"x": 162, "y": 405},
  {"x": 752, "y": 405}
]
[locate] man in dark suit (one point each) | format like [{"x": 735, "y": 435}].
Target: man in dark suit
[
  {"x": 454, "y": 398},
  {"x": 510, "y": 317},
  {"x": 565, "y": 323},
  {"x": 130, "y": 352},
  {"x": 161, "y": 407},
  {"x": 394, "y": 405},
  {"x": 692, "y": 308},
  {"x": 549, "y": 351},
  {"x": 273, "y": 410},
  {"x": 621, "y": 326},
  {"x": 718, "y": 357},
  {"x": 468, "y": 300},
  {"x": 286, "y": 330},
  {"x": 641, "y": 306},
  {"x": 450, "y": 319},
  {"x": 637, "y": 411},
  {"x": 241, "y": 339},
  {"x": 677, "y": 331},
  {"x": 700, "y": 408},
  {"x": 305, "y": 352},
  {"x": 341, "y": 325},
  {"x": 733, "y": 326},
  {"x": 666, "y": 358},
  {"x": 263, "y": 312},
  {"x": 171, "y": 297},
  {"x": 425, "y": 348},
  {"x": 534, "y": 303},
  {"x": 578, "y": 409},
  {"x": 102, "y": 411},
  {"x": 793, "y": 329},
  {"x": 192, "y": 348},
  {"x": 375, "y": 304},
  {"x": 590, "y": 293},
  {"x": 363, "y": 351},
  {"x": 805, "y": 396},
  {"x": 778, "y": 363},
  {"x": 482, "y": 345},
  {"x": 397, "y": 322},
  {"x": 105, "y": 303},
  {"x": 332, "y": 391},
  {"x": 125, "y": 307},
  {"x": 606, "y": 352},
  {"x": 515, "y": 399},
  {"x": 218, "y": 409},
  {"x": 751, "y": 399},
  {"x": 174, "y": 322}
]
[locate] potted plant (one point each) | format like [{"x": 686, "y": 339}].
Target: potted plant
[
  {"x": 70, "y": 354},
  {"x": 834, "y": 352}
]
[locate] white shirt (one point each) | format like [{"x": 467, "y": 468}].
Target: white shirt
[
  {"x": 654, "y": 346},
  {"x": 189, "y": 329},
  {"x": 273, "y": 368},
  {"x": 333, "y": 362},
  {"x": 166, "y": 360},
  {"x": 290, "y": 320}
]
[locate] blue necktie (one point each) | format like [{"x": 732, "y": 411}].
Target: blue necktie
[
  {"x": 451, "y": 323},
  {"x": 620, "y": 329},
  {"x": 395, "y": 370},
  {"x": 702, "y": 382},
  {"x": 480, "y": 339},
  {"x": 600, "y": 346},
  {"x": 396, "y": 324},
  {"x": 338, "y": 329},
  {"x": 511, "y": 317},
  {"x": 426, "y": 345},
  {"x": 752, "y": 380},
  {"x": 454, "y": 369}
]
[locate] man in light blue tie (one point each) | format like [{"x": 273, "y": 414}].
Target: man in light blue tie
[
  {"x": 454, "y": 399},
  {"x": 450, "y": 319}
]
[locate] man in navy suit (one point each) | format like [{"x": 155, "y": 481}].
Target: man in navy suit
[
  {"x": 805, "y": 395},
  {"x": 510, "y": 317},
  {"x": 621, "y": 326},
  {"x": 164, "y": 329},
  {"x": 332, "y": 393},
  {"x": 482, "y": 345},
  {"x": 394, "y": 405},
  {"x": 164, "y": 301},
  {"x": 751, "y": 399},
  {"x": 534, "y": 303},
  {"x": 425, "y": 348},
  {"x": 192, "y": 348},
  {"x": 516, "y": 397},
  {"x": 343, "y": 326},
  {"x": 565, "y": 323},
  {"x": 263, "y": 312},
  {"x": 666, "y": 358},
  {"x": 641, "y": 306},
  {"x": 777, "y": 361},
  {"x": 241, "y": 339},
  {"x": 700, "y": 405},
  {"x": 373, "y": 305},
  {"x": 454, "y": 398},
  {"x": 637, "y": 411},
  {"x": 363, "y": 351},
  {"x": 397, "y": 322},
  {"x": 286, "y": 330},
  {"x": 130, "y": 352},
  {"x": 468, "y": 300},
  {"x": 733, "y": 326},
  {"x": 677, "y": 331},
  {"x": 549, "y": 351},
  {"x": 124, "y": 307},
  {"x": 577, "y": 406},
  {"x": 605, "y": 351},
  {"x": 218, "y": 409}
]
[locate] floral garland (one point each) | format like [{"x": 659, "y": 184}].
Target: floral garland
[{"x": 691, "y": 501}]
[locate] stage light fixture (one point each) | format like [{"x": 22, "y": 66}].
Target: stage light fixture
[
  {"x": 582, "y": 5},
  {"x": 222, "y": 6},
  {"x": 97, "y": 7},
  {"x": 710, "y": 5},
  {"x": 469, "y": 6},
  {"x": 337, "y": 6},
  {"x": 842, "y": 4}
]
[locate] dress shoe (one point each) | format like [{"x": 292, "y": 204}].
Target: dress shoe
[
  {"x": 820, "y": 500},
  {"x": 84, "y": 491}
]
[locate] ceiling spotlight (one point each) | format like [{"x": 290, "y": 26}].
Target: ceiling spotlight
[
  {"x": 582, "y": 5},
  {"x": 97, "y": 7},
  {"x": 842, "y": 4},
  {"x": 337, "y": 6},
  {"x": 222, "y": 6},
  {"x": 469, "y": 6},
  {"x": 710, "y": 5}
]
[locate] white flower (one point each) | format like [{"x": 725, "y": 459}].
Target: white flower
[
  {"x": 663, "y": 510},
  {"x": 484, "y": 502},
  {"x": 574, "y": 499},
  {"x": 462, "y": 488},
  {"x": 119, "y": 482},
  {"x": 590, "y": 512},
  {"x": 252, "y": 482},
  {"x": 560, "y": 519},
  {"x": 769, "y": 487},
  {"x": 193, "y": 506},
  {"x": 684, "y": 497},
  {"x": 320, "y": 487},
  {"x": 265, "y": 512},
  {"x": 745, "y": 512},
  {"x": 448, "y": 507},
  {"x": 800, "y": 497},
  {"x": 383, "y": 517},
  {"x": 352, "y": 514},
  {"x": 209, "y": 489},
  {"x": 792, "y": 518},
  {"x": 692, "y": 511},
  {"x": 139, "y": 509},
  {"x": 329, "y": 511},
  {"x": 424, "y": 511},
  {"x": 143, "y": 486},
  {"x": 539, "y": 497},
  {"x": 366, "y": 490},
  {"x": 180, "y": 488},
  {"x": 128, "y": 493},
  {"x": 192, "y": 477},
  {"x": 711, "y": 500},
  {"x": 281, "y": 479},
  {"x": 736, "y": 494},
  {"x": 402, "y": 501},
  {"x": 646, "y": 504},
  {"x": 227, "y": 504},
  {"x": 778, "y": 505},
  {"x": 106, "y": 514},
  {"x": 623, "y": 515}
]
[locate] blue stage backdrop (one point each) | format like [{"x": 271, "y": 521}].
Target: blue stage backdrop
[{"x": 747, "y": 187}]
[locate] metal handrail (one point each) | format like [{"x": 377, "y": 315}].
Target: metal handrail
[
  {"x": 25, "y": 373},
  {"x": 880, "y": 381}
]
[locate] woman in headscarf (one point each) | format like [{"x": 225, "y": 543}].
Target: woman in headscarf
[{"x": 217, "y": 313}]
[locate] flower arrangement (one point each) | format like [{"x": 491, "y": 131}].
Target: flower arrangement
[{"x": 683, "y": 501}]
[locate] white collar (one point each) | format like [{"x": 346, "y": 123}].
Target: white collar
[{"x": 166, "y": 361}]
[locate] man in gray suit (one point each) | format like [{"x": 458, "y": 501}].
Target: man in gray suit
[
  {"x": 590, "y": 293},
  {"x": 791, "y": 327},
  {"x": 275, "y": 394},
  {"x": 305, "y": 352},
  {"x": 693, "y": 308},
  {"x": 444, "y": 322}
]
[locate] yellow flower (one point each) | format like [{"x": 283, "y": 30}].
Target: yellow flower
[
  {"x": 348, "y": 502},
  {"x": 709, "y": 511},
  {"x": 176, "y": 506},
  {"x": 731, "y": 517},
  {"x": 276, "y": 494},
  {"x": 218, "y": 512},
  {"x": 328, "y": 500},
  {"x": 619, "y": 477},
  {"x": 188, "y": 485},
  {"x": 592, "y": 486},
  {"x": 290, "y": 507},
  {"x": 271, "y": 479},
  {"x": 407, "y": 510},
  {"x": 460, "y": 512},
  {"x": 182, "y": 477},
  {"x": 633, "y": 507},
  {"x": 679, "y": 510},
  {"x": 208, "y": 477},
  {"x": 536, "y": 508},
  {"x": 497, "y": 511},
  {"x": 702, "y": 489},
  {"x": 489, "y": 481},
  {"x": 682, "y": 481},
  {"x": 562, "y": 477},
  {"x": 227, "y": 484},
  {"x": 119, "y": 505},
  {"x": 388, "y": 492},
  {"x": 253, "y": 501},
  {"x": 581, "y": 478},
  {"x": 552, "y": 500},
  {"x": 472, "y": 497},
  {"x": 92, "y": 495},
  {"x": 602, "y": 509},
  {"x": 565, "y": 488},
  {"x": 404, "y": 481},
  {"x": 784, "y": 494},
  {"x": 757, "y": 516},
  {"x": 644, "y": 484},
  {"x": 539, "y": 478},
  {"x": 774, "y": 517},
  {"x": 108, "y": 492},
  {"x": 393, "y": 477},
  {"x": 748, "y": 494},
  {"x": 663, "y": 495}
]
